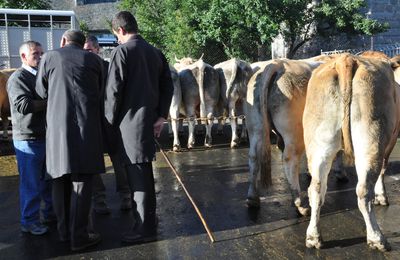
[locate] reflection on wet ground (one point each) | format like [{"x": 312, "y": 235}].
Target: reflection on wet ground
[{"x": 217, "y": 180}]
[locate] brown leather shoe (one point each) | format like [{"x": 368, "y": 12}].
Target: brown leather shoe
[{"x": 93, "y": 239}]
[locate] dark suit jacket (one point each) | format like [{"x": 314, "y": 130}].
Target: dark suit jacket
[
  {"x": 139, "y": 90},
  {"x": 71, "y": 79}
]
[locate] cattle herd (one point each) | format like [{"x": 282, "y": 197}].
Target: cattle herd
[{"x": 341, "y": 106}]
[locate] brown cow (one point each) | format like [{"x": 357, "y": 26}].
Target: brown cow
[
  {"x": 396, "y": 66},
  {"x": 352, "y": 103},
  {"x": 4, "y": 102},
  {"x": 275, "y": 99}
]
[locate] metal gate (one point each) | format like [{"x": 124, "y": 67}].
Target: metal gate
[{"x": 18, "y": 26}]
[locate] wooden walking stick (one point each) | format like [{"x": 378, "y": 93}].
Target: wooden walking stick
[{"x": 209, "y": 233}]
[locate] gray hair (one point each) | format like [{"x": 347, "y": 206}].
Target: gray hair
[{"x": 25, "y": 46}]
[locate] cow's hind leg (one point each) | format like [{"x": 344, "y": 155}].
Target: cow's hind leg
[
  {"x": 291, "y": 158},
  {"x": 191, "y": 128},
  {"x": 321, "y": 150},
  {"x": 191, "y": 116},
  {"x": 208, "y": 138},
  {"x": 369, "y": 158},
  {"x": 243, "y": 134},
  {"x": 367, "y": 171},
  {"x": 175, "y": 130},
  {"x": 321, "y": 162},
  {"x": 380, "y": 190},
  {"x": 235, "y": 138},
  {"x": 288, "y": 127},
  {"x": 255, "y": 160}
]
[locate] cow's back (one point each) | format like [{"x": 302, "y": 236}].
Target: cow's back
[{"x": 357, "y": 91}]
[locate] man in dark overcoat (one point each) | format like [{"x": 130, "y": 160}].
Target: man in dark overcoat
[
  {"x": 137, "y": 99},
  {"x": 71, "y": 79},
  {"x": 99, "y": 189}
]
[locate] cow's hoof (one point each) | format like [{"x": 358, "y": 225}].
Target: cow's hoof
[
  {"x": 304, "y": 211},
  {"x": 234, "y": 144},
  {"x": 382, "y": 246},
  {"x": 253, "y": 202},
  {"x": 190, "y": 146},
  {"x": 381, "y": 200},
  {"x": 208, "y": 145},
  {"x": 176, "y": 148},
  {"x": 313, "y": 242}
]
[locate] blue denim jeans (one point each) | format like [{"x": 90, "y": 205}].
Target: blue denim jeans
[{"x": 31, "y": 159}]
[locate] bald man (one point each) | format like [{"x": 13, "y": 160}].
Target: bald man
[
  {"x": 28, "y": 115},
  {"x": 72, "y": 79}
]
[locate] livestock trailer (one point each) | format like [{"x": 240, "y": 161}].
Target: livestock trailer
[{"x": 19, "y": 25}]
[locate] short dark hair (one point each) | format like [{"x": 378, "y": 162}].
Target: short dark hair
[
  {"x": 126, "y": 21},
  {"x": 93, "y": 39},
  {"x": 75, "y": 36}
]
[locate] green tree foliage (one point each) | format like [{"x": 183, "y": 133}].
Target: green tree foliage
[
  {"x": 241, "y": 26},
  {"x": 26, "y": 4},
  {"x": 168, "y": 24},
  {"x": 244, "y": 28},
  {"x": 302, "y": 20},
  {"x": 84, "y": 28}
]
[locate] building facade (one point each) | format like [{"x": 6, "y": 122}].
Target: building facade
[{"x": 95, "y": 14}]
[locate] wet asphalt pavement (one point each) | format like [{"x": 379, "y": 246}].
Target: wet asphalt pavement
[{"x": 217, "y": 180}]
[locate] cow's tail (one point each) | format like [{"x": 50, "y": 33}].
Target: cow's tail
[
  {"x": 202, "y": 68},
  {"x": 266, "y": 79},
  {"x": 229, "y": 84},
  {"x": 345, "y": 68}
]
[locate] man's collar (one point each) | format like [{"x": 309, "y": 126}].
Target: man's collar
[{"x": 30, "y": 69}]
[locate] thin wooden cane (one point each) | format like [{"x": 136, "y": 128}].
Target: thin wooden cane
[{"x": 209, "y": 232}]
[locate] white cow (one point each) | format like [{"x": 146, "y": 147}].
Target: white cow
[
  {"x": 175, "y": 109},
  {"x": 199, "y": 83},
  {"x": 234, "y": 75},
  {"x": 352, "y": 103}
]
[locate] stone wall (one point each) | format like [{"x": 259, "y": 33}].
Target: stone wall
[
  {"x": 94, "y": 15},
  {"x": 63, "y": 4}
]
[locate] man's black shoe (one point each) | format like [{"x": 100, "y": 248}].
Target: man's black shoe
[
  {"x": 138, "y": 238},
  {"x": 93, "y": 239}
]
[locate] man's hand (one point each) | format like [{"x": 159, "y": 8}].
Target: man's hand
[{"x": 158, "y": 126}]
